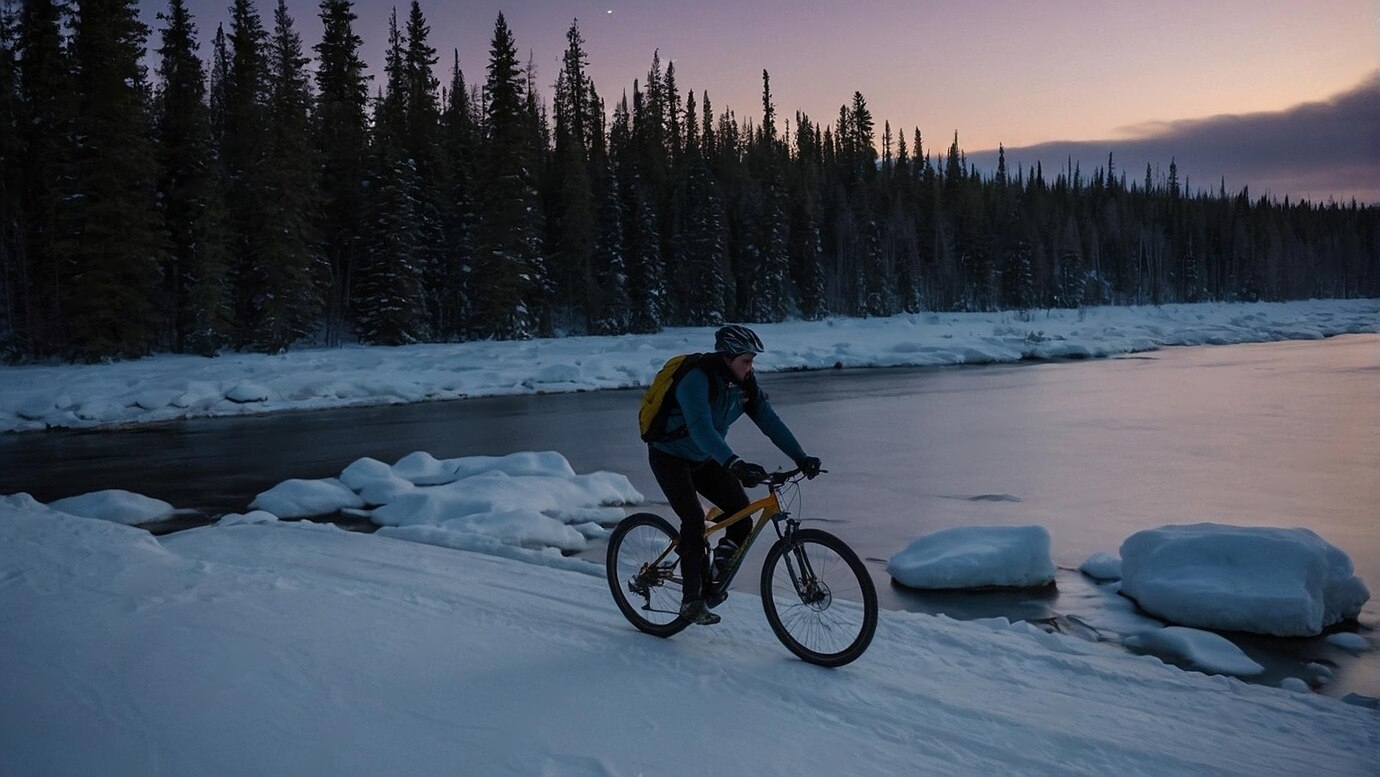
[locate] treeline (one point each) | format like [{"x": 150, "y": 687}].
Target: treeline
[{"x": 251, "y": 201}]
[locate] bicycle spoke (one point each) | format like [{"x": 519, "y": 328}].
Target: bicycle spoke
[
  {"x": 643, "y": 576},
  {"x": 819, "y": 598}
]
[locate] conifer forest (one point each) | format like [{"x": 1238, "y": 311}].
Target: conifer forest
[{"x": 271, "y": 192}]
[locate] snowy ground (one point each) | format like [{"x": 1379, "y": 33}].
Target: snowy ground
[
  {"x": 258, "y": 646},
  {"x": 299, "y": 648},
  {"x": 167, "y": 387}
]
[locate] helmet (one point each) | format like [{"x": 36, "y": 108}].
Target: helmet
[{"x": 735, "y": 339}]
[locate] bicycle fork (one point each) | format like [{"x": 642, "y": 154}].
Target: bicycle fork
[{"x": 812, "y": 591}]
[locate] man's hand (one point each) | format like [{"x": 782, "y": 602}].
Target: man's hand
[
  {"x": 810, "y": 465},
  {"x": 748, "y": 474}
]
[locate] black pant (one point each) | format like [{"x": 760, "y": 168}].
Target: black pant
[{"x": 683, "y": 481}]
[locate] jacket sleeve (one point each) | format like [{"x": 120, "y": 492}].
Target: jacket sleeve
[
  {"x": 774, "y": 428},
  {"x": 693, "y": 396}
]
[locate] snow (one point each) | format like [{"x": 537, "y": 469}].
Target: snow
[
  {"x": 1101, "y": 566},
  {"x": 282, "y": 647},
  {"x": 523, "y": 500},
  {"x": 976, "y": 557},
  {"x": 170, "y": 386},
  {"x": 1266, "y": 580},
  {"x": 305, "y": 498},
  {"x": 117, "y": 505},
  {"x": 1201, "y": 649},
  {"x": 1349, "y": 641},
  {"x": 461, "y": 638}
]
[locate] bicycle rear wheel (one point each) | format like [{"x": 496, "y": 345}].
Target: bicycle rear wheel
[
  {"x": 647, "y": 592},
  {"x": 819, "y": 598}
]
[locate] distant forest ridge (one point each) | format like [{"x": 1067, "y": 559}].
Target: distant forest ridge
[{"x": 250, "y": 201}]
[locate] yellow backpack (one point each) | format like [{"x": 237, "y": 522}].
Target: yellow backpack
[{"x": 660, "y": 397}]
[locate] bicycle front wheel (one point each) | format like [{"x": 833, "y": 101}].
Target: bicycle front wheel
[
  {"x": 643, "y": 577},
  {"x": 819, "y": 598}
]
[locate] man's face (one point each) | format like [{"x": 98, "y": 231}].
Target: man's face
[{"x": 741, "y": 365}]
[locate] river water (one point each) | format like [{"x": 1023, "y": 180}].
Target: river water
[{"x": 1275, "y": 434}]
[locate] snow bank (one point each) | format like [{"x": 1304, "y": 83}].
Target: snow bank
[
  {"x": 1285, "y": 582},
  {"x": 174, "y": 386},
  {"x": 292, "y": 648},
  {"x": 115, "y": 505},
  {"x": 306, "y": 498},
  {"x": 530, "y": 500},
  {"x": 976, "y": 557},
  {"x": 1101, "y": 566},
  {"x": 1199, "y": 649}
]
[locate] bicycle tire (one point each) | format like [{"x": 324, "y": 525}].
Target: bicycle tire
[
  {"x": 832, "y": 621},
  {"x": 634, "y": 543}
]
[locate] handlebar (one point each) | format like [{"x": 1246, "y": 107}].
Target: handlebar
[{"x": 782, "y": 477}]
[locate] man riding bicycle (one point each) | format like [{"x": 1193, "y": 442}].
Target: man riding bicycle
[{"x": 693, "y": 458}]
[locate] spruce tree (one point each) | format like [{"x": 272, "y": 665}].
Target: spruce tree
[
  {"x": 120, "y": 242},
  {"x": 290, "y": 259},
  {"x": 508, "y": 264},
  {"x": 572, "y": 224},
  {"x": 701, "y": 246},
  {"x": 388, "y": 305},
  {"x": 420, "y": 145},
  {"x": 610, "y": 308},
  {"x": 11, "y": 183},
  {"x": 46, "y": 144},
  {"x": 459, "y": 139},
  {"x": 388, "y": 297},
  {"x": 340, "y": 131},
  {"x": 240, "y": 105},
  {"x": 193, "y": 299}
]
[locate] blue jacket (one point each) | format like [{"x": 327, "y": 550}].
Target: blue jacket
[{"x": 708, "y": 422}]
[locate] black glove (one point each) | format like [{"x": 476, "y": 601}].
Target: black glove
[
  {"x": 748, "y": 474},
  {"x": 810, "y": 465}
]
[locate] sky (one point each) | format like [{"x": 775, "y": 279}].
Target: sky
[
  {"x": 1084, "y": 78},
  {"x": 261, "y": 646}
]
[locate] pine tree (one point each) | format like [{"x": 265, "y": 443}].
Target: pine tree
[
  {"x": 862, "y": 138},
  {"x": 240, "y": 104},
  {"x": 572, "y": 223},
  {"x": 11, "y": 186},
  {"x": 508, "y": 264},
  {"x": 193, "y": 301},
  {"x": 388, "y": 306},
  {"x": 765, "y": 222},
  {"x": 341, "y": 135},
  {"x": 459, "y": 139},
  {"x": 610, "y": 309},
  {"x": 108, "y": 306},
  {"x": 290, "y": 260},
  {"x": 420, "y": 144},
  {"x": 701, "y": 248},
  {"x": 46, "y": 146},
  {"x": 388, "y": 299},
  {"x": 807, "y": 269},
  {"x": 420, "y": 97},
  {"x": 647, "y": 291}
]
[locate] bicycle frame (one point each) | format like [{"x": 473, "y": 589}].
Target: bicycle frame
[{"x": 771, "y": 512}]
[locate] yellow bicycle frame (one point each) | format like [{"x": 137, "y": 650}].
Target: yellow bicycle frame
[{"x": 770, "y": 505}]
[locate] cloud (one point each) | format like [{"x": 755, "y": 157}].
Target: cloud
[{"x": 1316, "y": 151}]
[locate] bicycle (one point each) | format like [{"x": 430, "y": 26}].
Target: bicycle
[{"x": 817, "y": 595}]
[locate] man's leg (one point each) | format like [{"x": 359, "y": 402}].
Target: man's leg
[
  {"x": 676, "y": 478},
  {"x": 721, "y": 488}
]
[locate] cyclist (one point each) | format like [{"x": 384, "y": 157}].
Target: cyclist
[{"x": 694, "y": 458}]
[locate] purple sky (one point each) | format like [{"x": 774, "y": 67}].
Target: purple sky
[{"x": 1223, "y": 86}]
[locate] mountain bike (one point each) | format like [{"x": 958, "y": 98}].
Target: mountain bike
[{"x": 817, "y": 595}]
